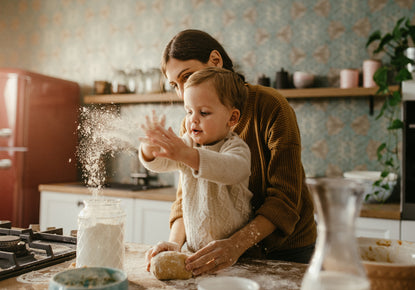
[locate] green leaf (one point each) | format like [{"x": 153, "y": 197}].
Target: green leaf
[
  {"x": 403, "y": 75},
  {"x": 384, "y": 41},
  {"x": 384, "y": 173},
  {"x": 374, "y": 36},
  {"x": 395, "y": 99},
  {"x": 380, "y": 149},
  {"x": 395, "y": 124},
  {"x": 381, "y": 77}
]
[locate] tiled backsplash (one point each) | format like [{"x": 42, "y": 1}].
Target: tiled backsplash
[{"x": 84, "y": 40}]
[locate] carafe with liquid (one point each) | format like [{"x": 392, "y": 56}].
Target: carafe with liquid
[
  {"x": 101, "y": 227},
  {"x": 336, "y": 262}
]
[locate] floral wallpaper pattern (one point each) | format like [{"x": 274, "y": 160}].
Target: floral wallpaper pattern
[{"x": 86, "y": 40}]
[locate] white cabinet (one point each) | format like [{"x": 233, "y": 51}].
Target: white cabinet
[
  {"x": 408, "y": 230},
  {"x": 152, "y": 221},
  {"x": 147, "y": 220},
  {"x": 60, "y": 210},
  {"x": 378, "y": 228}
]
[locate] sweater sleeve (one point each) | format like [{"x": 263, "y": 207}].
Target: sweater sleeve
[{"x": 231, "y": 165}]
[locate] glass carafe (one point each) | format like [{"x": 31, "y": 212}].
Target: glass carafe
[
  {"x": 101, "y": 226},
  {"x": 336, "y": 261}
]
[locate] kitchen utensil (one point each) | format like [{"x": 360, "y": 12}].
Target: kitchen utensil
[
  {"x": 264, "y": 81},
  {"x": 303, "y": 79},
  {"x": 349, "y": 78},
  {"x": 101, "y": 229},
  {"x": 227, "y": 283},
  {"x": 336, "y": 262},
  {"x": 370, "y": 66},
  {"x": 89, "y": 278},
  {"x": 281, "y": 79},
  {"x": 369, "y": 177},
  {"x": 389, "y": 264}
]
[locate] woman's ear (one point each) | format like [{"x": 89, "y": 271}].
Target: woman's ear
[
  {"x": 215, "y": 59},
  {"x": 233, "y": 120}
]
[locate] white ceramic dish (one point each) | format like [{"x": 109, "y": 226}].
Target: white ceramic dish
[
  {"x": 369, "y": 177},
  {"x": 389, "y": 264},
  {"x": 303, "y": 79},
  {"x": 90, "y": 278},
  {"x": 227, "y": 283}
]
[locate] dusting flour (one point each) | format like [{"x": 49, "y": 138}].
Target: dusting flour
[
  {"x": 103, "y": 132},
  {"x": 101, "y": 245}
]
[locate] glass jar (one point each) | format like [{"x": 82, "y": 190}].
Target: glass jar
[
  {"x": 119, "y": 82},
  {"x": 153, "y": 81},
  {"x": 101, "y": 227},
  {"x": 336, "y": 262}
]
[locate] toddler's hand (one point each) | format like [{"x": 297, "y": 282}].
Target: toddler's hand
[{"x": 160, "y": 247}]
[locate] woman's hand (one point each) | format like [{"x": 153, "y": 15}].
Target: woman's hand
[
  {"x": 160, "y": 247},
  {"x": 215, "y": 256}
]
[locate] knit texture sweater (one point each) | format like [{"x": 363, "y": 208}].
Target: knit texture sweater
[
  {"x": 216, "y": 198},
  {"x": 269, "y": 126}
]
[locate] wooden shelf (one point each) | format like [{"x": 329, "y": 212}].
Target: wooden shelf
[
  {"x": 171, "y": 97},
  {"x": 168, "y": 97}
]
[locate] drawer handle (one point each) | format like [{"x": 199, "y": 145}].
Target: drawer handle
[
  {"x": 5, "y": 163},
  {"x": 80, "y": 203},
  {"x": 5, "y": 132}
]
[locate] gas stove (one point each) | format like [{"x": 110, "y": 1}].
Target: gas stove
[{"x": 25, "y": 250}]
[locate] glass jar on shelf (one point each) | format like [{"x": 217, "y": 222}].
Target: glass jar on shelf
[
  {"x": 139, "y": 81},
  {"x": 131, "y": 81},
  {"x": 119, "y": 82},
  {"x": 153, "y": 81}
]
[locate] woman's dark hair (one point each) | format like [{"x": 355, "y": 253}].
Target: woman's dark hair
[{"x": 194, "y": 44}]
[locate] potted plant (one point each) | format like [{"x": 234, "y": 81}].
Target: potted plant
[{"x": 393, "y": 44}]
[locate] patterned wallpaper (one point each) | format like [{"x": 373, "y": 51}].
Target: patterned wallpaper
[{"x": 85, "y": 40}]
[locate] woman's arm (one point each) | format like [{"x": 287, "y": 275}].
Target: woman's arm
[{"x": 220, "y": 254}]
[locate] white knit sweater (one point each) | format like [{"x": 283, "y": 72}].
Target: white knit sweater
[{"x": 216, "y": 198}]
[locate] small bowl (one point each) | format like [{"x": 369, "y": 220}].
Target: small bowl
[
  {"x": 303, "y": 79},
  {"x": 90, "y": 278},
  {"x": 389, "y": 264},
  {"x": 369, "y": 177},
  {"x": 227, "y": 283}
]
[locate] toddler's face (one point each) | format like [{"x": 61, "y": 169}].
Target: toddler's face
[{"x": 207, "y": 119}]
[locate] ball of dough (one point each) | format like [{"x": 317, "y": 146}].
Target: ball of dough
[{"x": 170, "y": 265}]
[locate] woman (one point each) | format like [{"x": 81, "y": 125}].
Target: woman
[{"x": 283, "y": 227}]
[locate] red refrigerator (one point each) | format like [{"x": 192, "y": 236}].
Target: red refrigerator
[{"x": 38, "y": 139}]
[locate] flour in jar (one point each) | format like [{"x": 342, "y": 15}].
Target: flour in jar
[{"x": 101, "y": 245}]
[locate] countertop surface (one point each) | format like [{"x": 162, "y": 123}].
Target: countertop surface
[
  {"x": 370, "y": 210},
  {"x": 268, "y": 274}
]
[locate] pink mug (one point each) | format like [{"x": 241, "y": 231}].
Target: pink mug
[
  {"x": 349, "y": 78},
  {"x": 370, "y": 66}
]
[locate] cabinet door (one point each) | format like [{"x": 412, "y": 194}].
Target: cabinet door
[
  {"x": 151, "y": 221},
  {"x": 408, "y": 231},
  {"x": 378, "y": 228},
  {"x": 60, "y": 210}
]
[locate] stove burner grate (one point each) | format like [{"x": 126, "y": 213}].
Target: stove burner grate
[{"x": 22, "y": 250}]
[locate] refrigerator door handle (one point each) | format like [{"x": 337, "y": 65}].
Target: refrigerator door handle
[
  {"x": 5, "y": 163},
  {"x": 5, "y": 132}
]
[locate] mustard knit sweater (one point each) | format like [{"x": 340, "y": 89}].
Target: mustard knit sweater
[{"x": 269, "y": 126}]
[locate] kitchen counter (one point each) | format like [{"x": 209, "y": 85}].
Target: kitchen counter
[
  {"x": 162, "y": 194},
  {"x": 268, "y": 274},
  {"x": 385, "y": 211}
]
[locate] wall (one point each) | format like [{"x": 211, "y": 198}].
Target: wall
[{"x": 85, "y": 40}]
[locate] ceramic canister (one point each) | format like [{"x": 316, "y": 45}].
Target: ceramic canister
[
  {"x": 370, "y": 66},
  {"x": 349, "y": 78}
]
